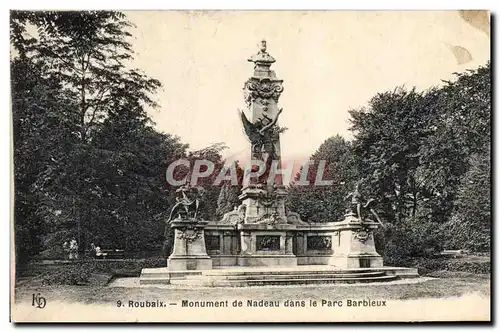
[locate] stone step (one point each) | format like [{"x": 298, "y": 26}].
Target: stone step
[
  {"x": 172, "y": 274},
  {"x": 271, "y": 282},
  {"x": 258, "y": 272},
  {"x": 299, "y": 276},
  {"x": 317, "y": 281},
  {"x": 154, "y": 281}
]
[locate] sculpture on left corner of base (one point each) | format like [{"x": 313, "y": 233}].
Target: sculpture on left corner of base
[{"x": 188, "y": 203}]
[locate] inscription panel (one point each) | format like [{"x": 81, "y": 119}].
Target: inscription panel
[
  {"x": 268, "y": 242},
  {"x": 212, "y": 242},
  {"x": 319, "y": 242}
]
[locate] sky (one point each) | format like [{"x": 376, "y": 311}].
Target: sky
[{"x": 330, "y": 62}]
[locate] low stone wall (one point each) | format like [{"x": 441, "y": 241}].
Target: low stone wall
[
  {"x": 311, "y": 247},
  {"x": 345, "y": 244}
]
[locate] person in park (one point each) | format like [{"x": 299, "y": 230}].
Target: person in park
[
  {"x": 73, "y": 249},
  {"x": 66, "y": 247},
  {"x": 97, "y": 251}
]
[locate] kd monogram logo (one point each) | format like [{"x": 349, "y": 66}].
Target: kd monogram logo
[{"x": 38, "y": 301}]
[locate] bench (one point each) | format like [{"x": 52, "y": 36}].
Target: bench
[
  {"x": 111, "y": 254},
  {"x": 453, "y": 253}
]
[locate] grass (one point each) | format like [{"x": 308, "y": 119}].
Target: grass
[{"x": 448, "y": 284}]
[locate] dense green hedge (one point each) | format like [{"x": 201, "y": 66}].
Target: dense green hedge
[
  {"x": 428, "y": 265},
  {"x": 85, "y": 272}
]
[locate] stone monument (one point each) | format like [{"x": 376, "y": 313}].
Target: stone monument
[
  {"x": 356, "y": 244},
  {"x": 265, "y": 233},
  {"x": 279, "y": 246},
  {"x": 189, "y": 251}
]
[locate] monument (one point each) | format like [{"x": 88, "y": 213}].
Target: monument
[
  {"x": 189, "y": 251},
  {"x": 260, "y": 235},
  {"x": 266, "y": 235}
]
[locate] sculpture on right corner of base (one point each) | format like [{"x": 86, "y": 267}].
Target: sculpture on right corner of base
[{"x": 359, "y": 204}]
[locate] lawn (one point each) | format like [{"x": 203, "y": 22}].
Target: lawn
[{"x": 449, "y": 284}]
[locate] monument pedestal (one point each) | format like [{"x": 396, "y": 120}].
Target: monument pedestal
[
  {"x": 189, "y": 252},
  {"x": 266, "y": 245},
  {"x": 354, "y": 245}
]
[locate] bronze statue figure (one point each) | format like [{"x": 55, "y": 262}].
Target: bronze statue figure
[
  {"x": 261, "y": 135},
  {"x": 188, "y": 203},
  {"x": 360, "y": 204}
]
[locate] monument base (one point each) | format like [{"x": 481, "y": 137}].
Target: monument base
[
  {"x": 355, "y": 245},
  {"x": 189, "y": 251},
  {"x": 356, "y": 261},
  {"x": 184, "y": 263},
  {"x": 237, "y": 276},
  {"x": 268, "y": 260}
]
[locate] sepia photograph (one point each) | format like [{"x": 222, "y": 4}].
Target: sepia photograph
[{"x": 184, "y": 166}]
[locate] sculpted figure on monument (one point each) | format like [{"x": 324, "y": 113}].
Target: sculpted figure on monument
[
  {"x": 262, "y": 135},
  {"x": 188, "y": 203},
  {"x": 262, "y": 56},
  {"x": 359, "y": 204}
]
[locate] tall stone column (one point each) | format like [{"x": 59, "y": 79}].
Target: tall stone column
[{"x": 263, "y": 198}]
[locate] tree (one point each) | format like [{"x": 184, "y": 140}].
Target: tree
[
  {"x": 388, "y": 138},
  {"x": 466, "y": 103},
  {"x": 470, "y": 225},
  {"x": 81, "y": 62},
  {"x": 414, "y": 149},
  {"x": 129, "y": 190},
  {"x": 229, "y": 194},
  {"x": 326, "y": 203},
  {"x": 37, "y": 129}
]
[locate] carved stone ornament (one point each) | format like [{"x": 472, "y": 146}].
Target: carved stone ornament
[
  {"x": 262, "y": 57},
  {"x": 294, "y": 219},
  {"x": 189, "y": 237},
  {"x": 232, "y": 218},
  {"x": 268, "y": 242},
  {"x": 264, "y": 88},
  {"x": 362, "y": 235},
  {"x": 270, "y": 219}
]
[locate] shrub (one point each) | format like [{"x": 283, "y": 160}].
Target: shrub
[
  {"x": 398, "y": 244},
  {"x": 83, "y": 272},
  {"x": 428, "y": 265},
  {"x": 68, "y": 274}
]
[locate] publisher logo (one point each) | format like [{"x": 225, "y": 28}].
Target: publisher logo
[{"x": 38, "y": 301}]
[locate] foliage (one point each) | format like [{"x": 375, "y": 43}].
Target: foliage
[
  {"x": 228, "y": 199},
  {"x": 69, "y": 274},
  {"x": 229, "y": 193},
  {"x": 89, "y": 271},
  {"x": 388, "y": 138},
  {"x": 470, "y": 226},
  {"x": 326, "y": 203},
  {"x": 87, "y": 161},
  {"x": 423, "y": 155}
]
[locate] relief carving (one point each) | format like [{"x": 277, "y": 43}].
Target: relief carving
[
  {"x": 362, "y": 235},
  {"x": 264, "y": 88}
]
